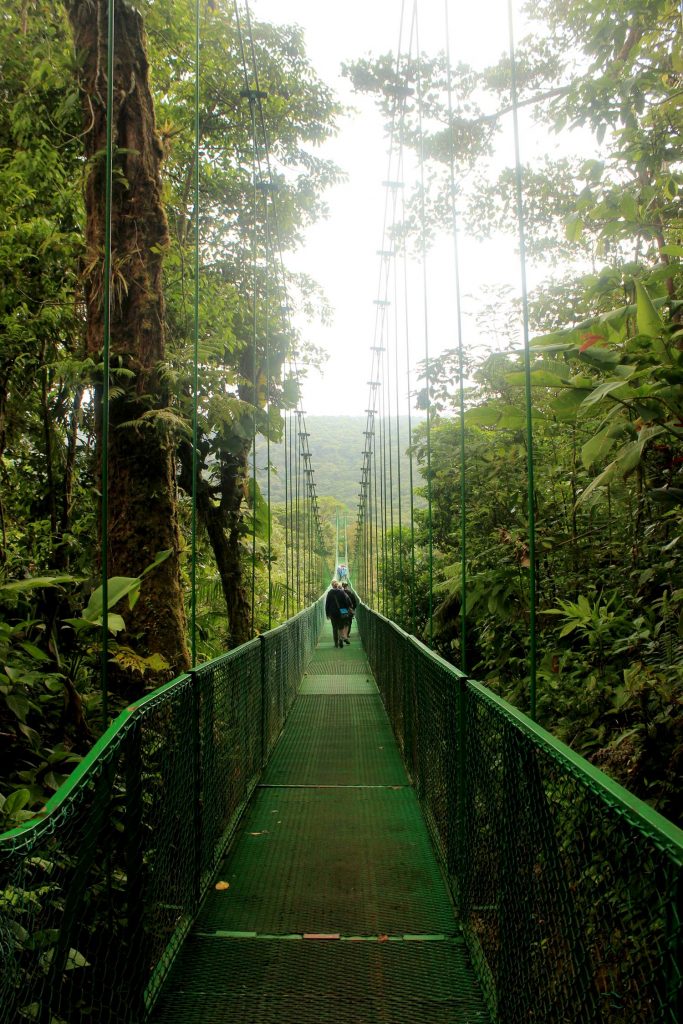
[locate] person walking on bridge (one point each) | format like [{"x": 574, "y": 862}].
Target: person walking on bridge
[
  {"x": 354, "y": 604},
  {"x": 338, "y": 611}
]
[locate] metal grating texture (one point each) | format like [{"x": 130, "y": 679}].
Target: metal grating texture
[
  {"x": 321, "y": 685},
  {"x": 230, "y": 696},
  {"x": 342, "y": 740},
  {"x": 313, "y": 982},
  {"x": 96, "y": 894},
  {"x": 286, "y": 651},
  {"x": 349, "y": 861},
  {"x": 99, "y": 890},
  {"x": 568, "y": 886},
  {"x": 338, "y": 663}
]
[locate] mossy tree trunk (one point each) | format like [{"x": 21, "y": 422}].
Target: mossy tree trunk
[
  {"x": 141, "y": 453},
  {"x": 220, "y": 511}
]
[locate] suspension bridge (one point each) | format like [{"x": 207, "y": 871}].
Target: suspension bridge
[
  {"x": 297, "y": 832},
  {"x": 294, "y": 832}
]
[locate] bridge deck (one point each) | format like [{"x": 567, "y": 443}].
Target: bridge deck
[{"x": 336, "y": 909}]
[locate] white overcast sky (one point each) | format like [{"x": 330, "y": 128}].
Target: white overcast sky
[{"x": 341, "y": 252}]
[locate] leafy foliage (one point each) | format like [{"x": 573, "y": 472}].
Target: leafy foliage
[
  {"x": 606, "y": 373},
  {"x": 50, "y": 611}
]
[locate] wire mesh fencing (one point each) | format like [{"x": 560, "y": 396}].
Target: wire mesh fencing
[
  {"x": 568, "y": 887},
  {"x": 98, "y": 891}
]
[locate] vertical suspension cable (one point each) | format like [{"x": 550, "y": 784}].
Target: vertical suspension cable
[
  {"x": 287, "y": 541},
  {"x": 250, "y": 95},
  {"x": 527, "y": 372},
  {"x": 375, "y": 461},
  {"x": 301, "y": 483},
  {"x": 388, "y": 428},
  {"x": 385, "y": 483},
  {"x": 195, "y": 376},
  {"x": 346, "y": 541},
  {"x": 304, "y": 519},
  {"x": 423, "y": 220},
  {"x": 313, "y": 513},
  {"x": 378, "y": 515},
  {"x": 461, "y": 360},
  {"x": 382, "y": 491},
  {"x": 292, "y": 503},
  {"x": 106, "y": 348},
  {"x": 398, "y": 445},
  {"x": 297, "y": 543},
  {"x": 336, "y": 540},
  {"x": 411, "y": 483},
  {"x": 267, "y": 408}
]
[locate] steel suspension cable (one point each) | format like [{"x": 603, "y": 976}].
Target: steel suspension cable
[
  {"x": 106, "y": 359},
  {"x": 368, "y": 483},
  {"x": 304, "y": 491},
  {"x": 195, "y": 349},
  {"x": 267, "y": 409},
  {"x": 387, "y": 378},
  {"x": 286, "y": 416},
  {"x": 425, "y": 302},
  {"x": 461, "y": 358},
  {"x": 382, "y": 472},
  {"x": 250, "y": 95},
  {"x": 398, "y": 449},
  {"x": 411, "y": 474},
  {"x": 313, "y": 497},
  {"x": 531, "y": 514},
  {"x": 297, "y": 519}
]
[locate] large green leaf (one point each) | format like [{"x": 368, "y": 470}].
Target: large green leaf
[
  {"x": 602, "y": 480},
  {"x": 597, "y": 446},
  {"x": 539, "y": 379},
  {"x": 483, "y": 415},
  {"x": 118, "y": 587},
  {"x": 627, "y": 459},
  {"x": 647, "y": 318},
  {"x": 24, "y": 586},
  {"x": 616, "y": 388}
]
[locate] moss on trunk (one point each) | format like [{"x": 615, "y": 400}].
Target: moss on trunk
[{"x": 141, "y": 455}]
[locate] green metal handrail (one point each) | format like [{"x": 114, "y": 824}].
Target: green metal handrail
[
  {"x": 99, "y": 889},
  {"x": 568, "y": 886}
]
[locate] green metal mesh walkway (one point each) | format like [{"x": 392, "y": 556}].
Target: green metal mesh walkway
[{"x": 336, "y": 909}]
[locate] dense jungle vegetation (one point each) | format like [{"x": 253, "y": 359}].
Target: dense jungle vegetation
[
  {"x": 336, "y": 449},
  {"x": 53, "y": 63},
  {"x": 606, "y": 374},
  {"x": 607, "y": 370}
]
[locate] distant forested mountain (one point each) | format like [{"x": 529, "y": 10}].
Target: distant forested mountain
[{"x": 336, "y": 444}]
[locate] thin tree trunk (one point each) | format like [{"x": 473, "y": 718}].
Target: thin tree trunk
[
  {"x": 223, "y": 523},
  {"x": 49, "y": 468},
  {"x": 141, "y": 455}
]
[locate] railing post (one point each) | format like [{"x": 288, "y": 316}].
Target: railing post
[
  {"x": 264, "y": 711},
  {"x": 135, "y": 973},
  {"x": 457, "y": 867},
  {"x": 673, "y": 885},
  {"x": 198, "y": 785}
]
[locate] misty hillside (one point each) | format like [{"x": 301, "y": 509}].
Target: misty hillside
[{"x": 336, "y": 445}]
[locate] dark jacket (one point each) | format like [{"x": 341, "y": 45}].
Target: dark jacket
[
  {"x": 336, "y": 600},
  {"x": 352, "y": 598}
]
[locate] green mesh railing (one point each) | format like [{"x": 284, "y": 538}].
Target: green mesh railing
[
  {"x": 99, "y": 890},
  {"x": 569, "y": 888}
]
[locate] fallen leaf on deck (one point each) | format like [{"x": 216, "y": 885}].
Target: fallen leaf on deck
[{"x": 221, "y": 886}]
